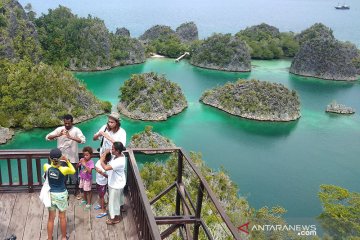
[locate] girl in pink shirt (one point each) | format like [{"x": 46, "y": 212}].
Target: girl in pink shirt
[{"x": 86, "y": 165}]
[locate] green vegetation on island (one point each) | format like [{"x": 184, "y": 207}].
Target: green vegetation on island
[
  {"x": 150, "y": 96},
  {"x": 39, "y": 95},
  {"x": 165, "y": 41},
  {"x": 266, "y": 42},
  {"x": 255, "y": 99},
  {"x": 322, "y": 56},
  {"x": 84, "y": 44},
  {"x": 221, "y": 52},
  {"x": 341, "y": 212},
  {"x": 158, "y": 176},
  {"x": 150, "y": 139}
]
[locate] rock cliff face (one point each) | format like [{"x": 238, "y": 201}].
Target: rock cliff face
[
  {"x": 150, "y": 139},
  {"x": 156, "y": 32},
  {"x": 124, "y": 32},
  {"x": 318, "y": 30},
  {"x": 222, "y": 52},
  {"x": 126, "y": 51},
  {"x": 325, "y": 58},
  {"x": 256, "y": 100},
  {"x": 96, "y": 45},
  {"x": 150, "y": 96},
  {"x": 18, "y": 36},
  {"x": 5, "y": 134},
  {"x": 187, "y": 32}
]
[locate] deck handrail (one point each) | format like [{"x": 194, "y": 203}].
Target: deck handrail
[
  {"x": 203, "y": 187},
  {"x": 33, "y": 158}
]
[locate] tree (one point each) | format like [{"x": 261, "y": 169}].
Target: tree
[{"x": 341, "y": 212}]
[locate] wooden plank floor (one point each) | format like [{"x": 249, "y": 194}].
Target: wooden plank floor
[{"x": 23, "y": 215}]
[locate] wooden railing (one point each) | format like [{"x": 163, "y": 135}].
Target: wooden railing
[
  {"x": 186, "y": 212},
  {"x": 14, "y": 178}
]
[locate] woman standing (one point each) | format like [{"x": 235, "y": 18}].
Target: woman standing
[
  {"x": 111, "y": 132},
  {"x": 116, "y": 181},
  {"x": 58, "y": 193}
]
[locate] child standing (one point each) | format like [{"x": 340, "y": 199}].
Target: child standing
[
  {"x": 101, "y": 184},
  {"x": 86, "y": 165}
]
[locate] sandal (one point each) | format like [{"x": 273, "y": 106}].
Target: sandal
[
  {"x": 112, "y": 222},
  {"x": 97, "y": 207},
  {"x": 100, "y": 215}
]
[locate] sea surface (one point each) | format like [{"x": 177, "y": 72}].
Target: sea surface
[
  {"x": 220, "y": 16},
  {"x": 272, "y": 163}
]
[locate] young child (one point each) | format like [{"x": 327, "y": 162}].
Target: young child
[
  {"x": 86, "y": 165},
  {"x": 101, "y": 184}
]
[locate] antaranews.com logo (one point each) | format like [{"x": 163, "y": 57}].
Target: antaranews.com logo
[{"x": 302, "y": 230}]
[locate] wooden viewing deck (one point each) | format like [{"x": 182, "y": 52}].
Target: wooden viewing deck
[{"x": 23, "y": 214}]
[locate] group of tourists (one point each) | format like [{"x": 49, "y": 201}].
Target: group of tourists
[{"x": 66, "y": 167}]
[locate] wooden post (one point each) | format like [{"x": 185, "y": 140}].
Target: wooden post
[
  {"x": 29, "y": 173},
  {"x": 198, "y": 210},
  {"x": 179, "y": 180}
]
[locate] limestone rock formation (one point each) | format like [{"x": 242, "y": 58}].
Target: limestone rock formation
[
  {"x": 150, "y": 96},
  {"x": 127, "y": 51},
  {"x": 259, "y": 31},
  {"x": 318, "y": 30},
  {"x": 334, "y": 107},
  {"x": 124, "y": 32},
  {"x": 155, "y": 32},
  {"x": 5, "y": 134},
  {"x": 18, "y": 36},
  {"x": 187, "y": 32},
  {"x": 256, "y": 100},
  {"x": 325, "y": 58},
  {"x": 222, "y": 52},
  {"x": 150, "y": 139}
]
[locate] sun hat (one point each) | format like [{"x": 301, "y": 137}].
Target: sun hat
[{"x": 115, "y": 116}]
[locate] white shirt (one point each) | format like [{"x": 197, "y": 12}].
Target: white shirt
[
  {"x": 68, "y": 147},
  {"x": 119, "y": 136},
  {"x": 116, "y": 176},
  {"x": 100, "y": 179}
]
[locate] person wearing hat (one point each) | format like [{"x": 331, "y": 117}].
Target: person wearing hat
[
  {"x": 58, "y": 192},
  {"x": 110, "y": 133}
]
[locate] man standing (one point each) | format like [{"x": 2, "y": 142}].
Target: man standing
[{"x": 68, "y": 137}]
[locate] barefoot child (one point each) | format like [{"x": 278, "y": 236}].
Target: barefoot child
[
  {"x": 101, "y": 184},
  {"x": 87, "y": 166}
]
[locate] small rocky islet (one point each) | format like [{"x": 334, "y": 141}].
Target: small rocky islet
[
  {"x": 150, "y": 97},
  {"x": 150, "y": 139},
  {"x": 256, "y": 100},
  {"x": 335, "y": 107}
]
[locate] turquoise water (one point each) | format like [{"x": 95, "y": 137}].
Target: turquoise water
[
  {"x": 224, "y": 16},
  {"x": 273, "y": 163}
]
